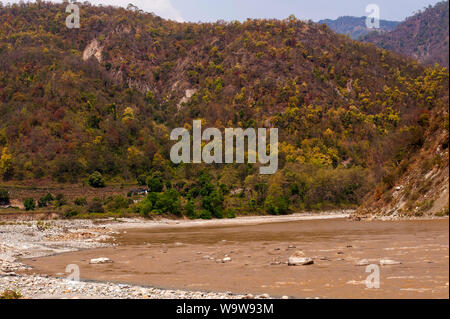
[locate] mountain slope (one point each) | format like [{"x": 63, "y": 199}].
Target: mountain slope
[
  {"x": 356, "y": 26},
  {"x": 105, "y": 98},
  {"x": 419, "y": 184},
  {"x": 424, "y": 36}
]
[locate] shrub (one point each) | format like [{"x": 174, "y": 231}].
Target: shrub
[
  {"x": 155, "y": 184},
  {"x": 443, "y": 212},
  {"x": 142, "y": 180},
  {"x": 168, "y": 202},
  {"x": 190, "y": 209},
  {"x": 71, "y": 212},
  {"x": 45, "y": 200},
  {"x": 29, "y": 204},
  {"x": 205, "y": 214},
  {"x": 10, "y": 294},
  {"x": 118, "y": 202},
  {"x": 145, "y": 207},
  {"x": 214, "y": 203},
  {"x": 60, "y": 200},
  {"x": 231, "y": 213},
  {"x": 96, "y": 206},
  {"x": 81, "y": 201},
  {"x": 4, "y": 197},
  {"x": 278, "y": 205},
  {"x": 96, "y": 180}
]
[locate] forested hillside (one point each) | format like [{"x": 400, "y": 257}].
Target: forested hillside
[
  {"x": 104, "y": 99},
  {"x": 424, "y": 36}
]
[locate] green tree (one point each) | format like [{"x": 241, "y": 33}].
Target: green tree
[
  {"x": 155, "y": 184},
  {"x": 190, "y": 209},
  {"x": 29, "y": 204},
  {"x": 96, "y": 180},
  {"x": 4, "y": 197}
]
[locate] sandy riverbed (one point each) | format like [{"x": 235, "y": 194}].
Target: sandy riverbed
[
  {"x": 190, "y": 256},
  {"x": 24, "y": 241}
]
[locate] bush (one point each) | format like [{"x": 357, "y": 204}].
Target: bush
[
  {"x": 60, "y": 200},
  {"x": 214, "y": 203},
  {"x": 142, "y": 180},
  {"x": 190, "y": 210},
  {"x": 117, "y": 203},
  {"x": 168, "y": 202},
  {"x": 205, "y": 214},
  {"x": 231, "y": 213},
  {"x": 45, "y": 200},
  {"x": 96, "y": 206},
  {"x": 155, "y": 184},
  {"x": 277, "y": 205},
  {"x": 145, "y": 207},
  {"x": 10, "y": 294},
  {"x": 96, "y": 180},
  {"x": 71, "y": 212},
  {"x": 29, "y": 204},
  {"x": 81, "y": 201},
  {"x": 4, "y": 197}
]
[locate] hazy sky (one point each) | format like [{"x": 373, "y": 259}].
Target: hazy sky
[{"x": 212, "y": 10}]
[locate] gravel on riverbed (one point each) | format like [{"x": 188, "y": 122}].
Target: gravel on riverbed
[
  {"x": 39, "y": 287},
  {"x": 34, "y": 239},
  {"x": 44, "y": 238}
]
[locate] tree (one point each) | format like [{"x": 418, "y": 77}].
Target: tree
[
  {"x": 142, "y": 180},
  {"x": 45, "y": 200},
  {"x": 29, "y": 204},
  {"x": 6, "y": 168},
  {"x": 155, "y": 184},
  {"x": 4, "y": 197},
  {"x": 96, "y": 180},
  {"x": 96, "y": 206},
  {"x": 190, "y": 209},
  {"x": 168, "y": 203}
]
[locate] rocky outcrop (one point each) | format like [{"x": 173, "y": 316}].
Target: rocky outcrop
[{"x": 93, "y": 50}]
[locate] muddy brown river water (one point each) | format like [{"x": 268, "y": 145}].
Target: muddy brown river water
[{"x": 190, "y": 258}]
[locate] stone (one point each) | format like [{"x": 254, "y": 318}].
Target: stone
[
  {"x": 388, "y": 262},
  {"x": 363, "y": 262},
  {"x": 226, "y": 259},
  {"x": 298, "y": 259},
  {"x": 102, "y": 260}
]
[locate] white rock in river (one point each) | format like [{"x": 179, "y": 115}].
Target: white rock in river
[
  {"x": 102, "y": 260},
  {"x": 386, "y": 262},
  {"x": 363, "y": 262},
  {"x": 226, "y": 259},
  {"x": 297, "y": 259}
]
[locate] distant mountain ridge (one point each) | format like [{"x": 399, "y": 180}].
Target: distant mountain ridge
[
  {"x": 423, "y": 36},
  {"x": 356, "y": 26}
]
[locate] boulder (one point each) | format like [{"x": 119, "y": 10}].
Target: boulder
[{"x": 298, "y": 259}]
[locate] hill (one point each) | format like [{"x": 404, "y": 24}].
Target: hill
[
  {"x": 104, "y": 99},
  {"x": 424, "y": 36},
  {"x": 356, "y": 27}
]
